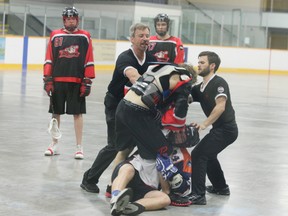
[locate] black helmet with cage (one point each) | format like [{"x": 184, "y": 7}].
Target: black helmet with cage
[
  {"x": 162, "y": 17},
  {"x": 70, "y": 12}
]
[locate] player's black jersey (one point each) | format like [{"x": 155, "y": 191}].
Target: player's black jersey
[
  {"x": 168, "y": 50},
  {"x": 125, "y": 60},
  {"x": 216, "y": 87},
  {"x": 69, "y": 56}
]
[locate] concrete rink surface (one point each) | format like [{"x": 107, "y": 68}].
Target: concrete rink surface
[{"x": 255, "y": 166}]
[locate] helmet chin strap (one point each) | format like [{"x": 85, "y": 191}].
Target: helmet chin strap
[
  {"x": 70, "y": 28},
  {"x": 162, "y": 34}
]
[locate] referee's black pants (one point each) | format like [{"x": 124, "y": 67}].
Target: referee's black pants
[
  {"x": 107, "y": 154},
  {"x": 204, "y": 157}
]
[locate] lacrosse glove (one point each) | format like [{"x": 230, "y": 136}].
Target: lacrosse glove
[
  {"x": 48, "y": 85},
  {"x": 85, "y": 88},
  {"x": 165, "y": 166}
]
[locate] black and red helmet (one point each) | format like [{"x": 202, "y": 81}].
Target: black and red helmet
[
  {"x": 162, "y": 17},
  {"x": 70, "y": 12}
]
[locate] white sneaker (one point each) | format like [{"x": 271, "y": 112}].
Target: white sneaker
[
  {"x": 52, "y": 150},
  {"x": 119, "y": 202},
  {"x": 79, "y": 152}
]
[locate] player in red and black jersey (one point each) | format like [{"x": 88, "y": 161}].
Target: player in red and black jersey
[
  {"x": 68, "y": 70},
  {"x": 164, "y": 47}
]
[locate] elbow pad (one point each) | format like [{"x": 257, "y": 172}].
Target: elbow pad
[
  {"x": 151, "y": 96},
  {"x": 180, "y": 185},
  {"x": 139, "y": 86}
]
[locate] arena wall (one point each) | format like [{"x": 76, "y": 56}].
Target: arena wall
[{"x": 18, "y": 53}]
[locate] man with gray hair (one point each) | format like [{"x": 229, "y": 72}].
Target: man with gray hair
[{"x": 130, "y": 65}]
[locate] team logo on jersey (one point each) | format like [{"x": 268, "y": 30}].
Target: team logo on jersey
[
  {"x": 151, "y": 46},
  {"x": 69, "y": 52},
  {"x": 220, "y": 89},
  {"x": 162, "y": 56},
  {"x": 181, "y": 47}
]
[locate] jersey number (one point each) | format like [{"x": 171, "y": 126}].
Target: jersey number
[{"x": 58, "y": 41}]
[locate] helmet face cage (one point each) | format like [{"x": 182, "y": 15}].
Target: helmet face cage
[
  {"x": 70, "y": 12},
  {"x": 162, "y": 18}
]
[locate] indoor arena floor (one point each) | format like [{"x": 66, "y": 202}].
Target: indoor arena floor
[{"x": 255, "y": 166}]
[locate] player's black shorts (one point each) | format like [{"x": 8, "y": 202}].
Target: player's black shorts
[
  {"x": 136, "y": 125},
  {"x": 66, "y": 99},
  {"x": 136, "y": 184}
]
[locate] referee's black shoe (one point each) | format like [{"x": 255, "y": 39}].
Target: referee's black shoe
[
  {"x": 89, "y": 187},
  {"x": 219, "y": 191}
]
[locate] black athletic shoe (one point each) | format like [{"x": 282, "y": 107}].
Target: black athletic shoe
[
  {"x": 177, "y": 200},
  {"x": 108, "y": 191},
  {"x": 89, "y": 187},
  {"x": 133, "y": 209},
  {"x": 197, "y": 199},
  {"x": 223, "y": 191}
]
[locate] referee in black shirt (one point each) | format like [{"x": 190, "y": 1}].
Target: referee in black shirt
[
  {"x": 130, "y": 65},
  {"x": 214, "y": 97}
]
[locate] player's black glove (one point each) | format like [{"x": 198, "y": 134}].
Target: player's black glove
[
  {"x": 158, "y": 116},
  {"x": 177, "y": 200},
  {"x": 48, "y": 85},
  {"x": 85, "y": 88}
]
